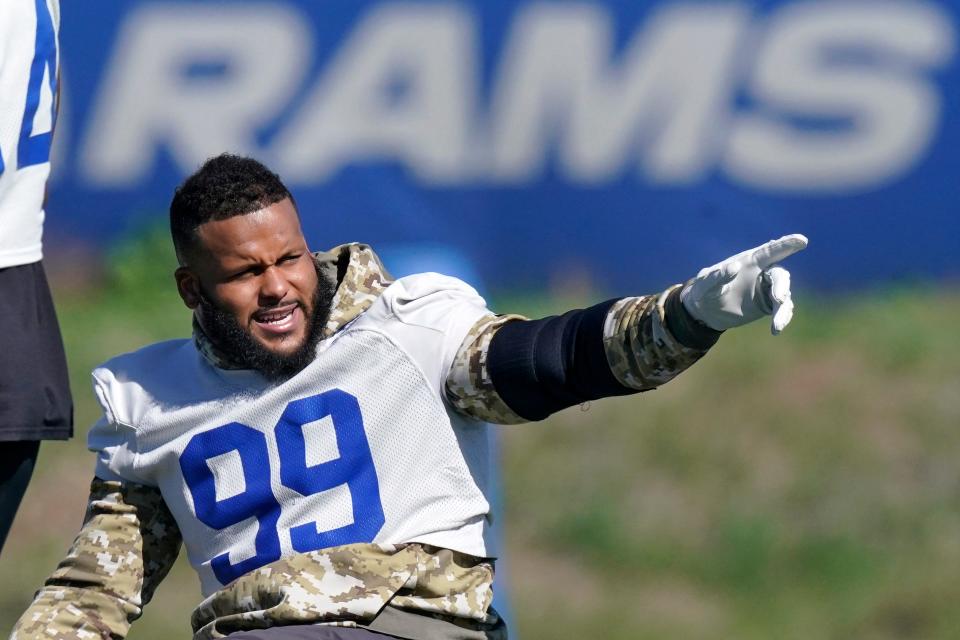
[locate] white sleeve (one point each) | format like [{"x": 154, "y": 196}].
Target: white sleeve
[
  {"x": 112, "y": 437},
  {"x": 429, "y": 315}
]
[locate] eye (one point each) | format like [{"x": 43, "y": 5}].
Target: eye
[
  {"x": 240, "y": 275},
  {"x": 244, "y": 274},
  {"x": 290, "y": 258}
]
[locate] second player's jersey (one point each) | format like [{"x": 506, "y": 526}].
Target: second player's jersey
[
  {"x": 360, "y": 446},
  {"x": 28, "y": 81}
]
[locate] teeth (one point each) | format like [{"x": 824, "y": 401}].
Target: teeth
[{"x": 278, "y": 319}]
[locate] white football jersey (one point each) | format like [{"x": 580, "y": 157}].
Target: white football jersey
[
  {"x": 28, "y": 84},
  {"x": 361, "y": 446}
]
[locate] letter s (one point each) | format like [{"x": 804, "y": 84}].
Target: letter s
[{"x": 855, "y": 71}]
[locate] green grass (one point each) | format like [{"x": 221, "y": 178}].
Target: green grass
[
  {"x": 803, "y": 486},
  {"x": 798, "y": 487}
]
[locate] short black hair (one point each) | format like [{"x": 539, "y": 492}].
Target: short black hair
[{"x": 225, "y": 186}]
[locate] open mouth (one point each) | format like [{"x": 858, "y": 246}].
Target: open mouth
[{"x": 278, "y": 320}]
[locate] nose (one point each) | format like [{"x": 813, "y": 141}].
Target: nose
[{"x": 273, "y": 286}]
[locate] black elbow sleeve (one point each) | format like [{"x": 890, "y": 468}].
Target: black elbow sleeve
[{"x": 539, "y": 367}]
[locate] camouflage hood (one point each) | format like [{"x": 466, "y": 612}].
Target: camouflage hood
[{"x": 360, "y": 278}]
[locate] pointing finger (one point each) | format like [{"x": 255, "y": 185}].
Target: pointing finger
[{"x": 776, "y": 250}]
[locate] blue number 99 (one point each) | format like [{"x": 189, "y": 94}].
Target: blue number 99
[{"x": 354, "y": 468}]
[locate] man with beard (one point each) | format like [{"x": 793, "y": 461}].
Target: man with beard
[{"x": 320, "y": 445}]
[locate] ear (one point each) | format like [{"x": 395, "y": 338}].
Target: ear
[{"x": 188, "y": 286}]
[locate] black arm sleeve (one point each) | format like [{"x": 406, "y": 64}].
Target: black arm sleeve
[{"x": 539, "y": 367}]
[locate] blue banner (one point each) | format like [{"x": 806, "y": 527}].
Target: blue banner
[{"x": 625, "y": 144}]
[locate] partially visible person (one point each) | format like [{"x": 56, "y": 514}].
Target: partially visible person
[{"x": 35, "y": 402}]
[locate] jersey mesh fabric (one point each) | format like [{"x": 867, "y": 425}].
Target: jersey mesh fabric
[{"x": 443, "y": 481}]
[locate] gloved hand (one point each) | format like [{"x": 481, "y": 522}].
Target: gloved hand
[{"x": 745, "y": 287}]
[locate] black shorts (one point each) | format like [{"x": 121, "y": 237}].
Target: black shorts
[
  {"x": 309, "y": 632},
  {"x": 35, "y": 401}
]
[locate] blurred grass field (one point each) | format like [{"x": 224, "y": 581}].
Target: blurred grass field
[{"x": 803, "y": 487}]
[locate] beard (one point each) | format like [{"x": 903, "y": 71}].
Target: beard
[{"x": 248, "y": 352}]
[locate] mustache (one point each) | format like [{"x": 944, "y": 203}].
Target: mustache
[{"x": 209, "y": 304}]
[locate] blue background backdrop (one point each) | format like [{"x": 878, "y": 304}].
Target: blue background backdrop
[{"x": 626, "y": 229}]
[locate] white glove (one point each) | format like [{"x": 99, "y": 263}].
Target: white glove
[{"x": 745, "y": 287}]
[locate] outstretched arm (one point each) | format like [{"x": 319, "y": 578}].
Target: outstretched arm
[
  {"x": 128, "y": 543},
  {"x": 511, "y": 370}
]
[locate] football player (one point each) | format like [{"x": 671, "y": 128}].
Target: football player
[
  {"x": 320, "y": 446},
  {"x": 35, "y": 402}
]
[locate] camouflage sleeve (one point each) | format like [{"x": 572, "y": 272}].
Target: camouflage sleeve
[
  {"x": 128, "y": 542},
  {"x": 469, "y": 387},
  {"x": 649, "y": 340}
]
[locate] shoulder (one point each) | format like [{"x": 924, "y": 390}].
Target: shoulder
[
  {"x": 130, "y": 379},
  {"x": 144, "y": 362},
  {"x": 427, "y": 315},
  {"x": 430, "y": 299}
]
